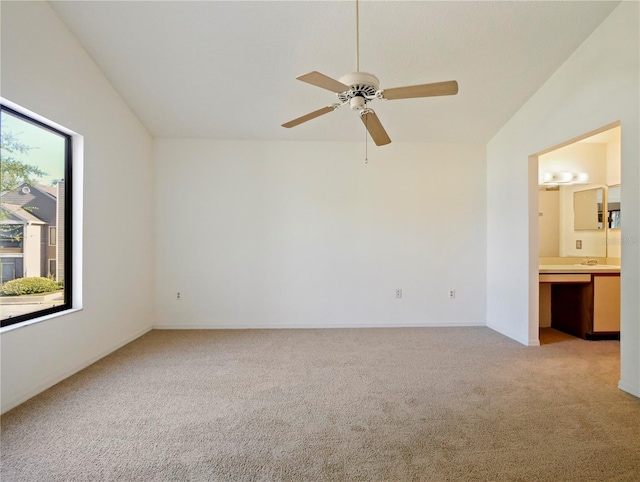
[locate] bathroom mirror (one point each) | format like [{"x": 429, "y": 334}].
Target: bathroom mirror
[
  {"x": 587, "y": 209},
  {"x": 613, "y": 206}
]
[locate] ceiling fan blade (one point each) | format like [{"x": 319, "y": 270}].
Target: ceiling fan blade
[
  {"x": 449, "y": 87},
  {"x": 311, "y": 115},
  {"x": 321, "y": 80},
  {"x": 374, "y": 126}
]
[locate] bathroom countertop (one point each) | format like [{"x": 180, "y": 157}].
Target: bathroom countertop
[{"x": 578, "y": 268}]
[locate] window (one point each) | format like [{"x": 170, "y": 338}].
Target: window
[
  {"x": 52, "y": 235},
  {"x": 11, "y": 238},
  {"x": 35, "y": 218}
]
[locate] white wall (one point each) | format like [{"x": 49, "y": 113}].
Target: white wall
[
  {"x": 304, "y": 234},
  {"x": 596, "y": 86},
  {"x": 45, "y": 70}
]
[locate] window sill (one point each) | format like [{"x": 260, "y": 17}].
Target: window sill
[{"x": 38, "y": 320}]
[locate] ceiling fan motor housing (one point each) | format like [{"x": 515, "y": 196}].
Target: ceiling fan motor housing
[{"x": 362, "y": 85}]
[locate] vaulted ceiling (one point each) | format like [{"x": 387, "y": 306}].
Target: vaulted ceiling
[{"x": 226, "y": 70}]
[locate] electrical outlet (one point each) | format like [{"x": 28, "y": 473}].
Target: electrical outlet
[
  {"x": 178, "y": 296},
  {"x": 452, "y": 294},
  {"x": 399, "y": 293},
  {"x": 578, "y": 244}
]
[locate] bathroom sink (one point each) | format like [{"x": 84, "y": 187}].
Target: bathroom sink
[{"x": 578, "y": 268}]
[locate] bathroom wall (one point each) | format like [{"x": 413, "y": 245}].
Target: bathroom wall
[
  {"x": 599, "y": 157},
  {"x": 549, "y": 218}
]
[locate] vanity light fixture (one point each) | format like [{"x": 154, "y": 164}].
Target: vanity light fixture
[{"x": 564, "y": 178}]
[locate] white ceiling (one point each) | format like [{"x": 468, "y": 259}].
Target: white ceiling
[{"x": 226, "y": 70}]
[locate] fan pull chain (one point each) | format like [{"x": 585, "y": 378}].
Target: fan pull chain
[{"x": 366, "y": 138}]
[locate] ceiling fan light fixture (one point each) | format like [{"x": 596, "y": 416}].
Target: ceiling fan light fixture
[{"x": 357, "y": 103}]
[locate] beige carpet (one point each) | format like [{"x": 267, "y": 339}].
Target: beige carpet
[{"x": 329, "y": 405}]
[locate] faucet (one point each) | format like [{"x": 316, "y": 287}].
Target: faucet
[{"x": 589, "y": 262}]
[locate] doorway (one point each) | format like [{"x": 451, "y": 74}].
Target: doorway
[{"x": 579, "y": 236}]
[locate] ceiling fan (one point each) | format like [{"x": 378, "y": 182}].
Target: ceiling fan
[{"x": 359, "y": 88}]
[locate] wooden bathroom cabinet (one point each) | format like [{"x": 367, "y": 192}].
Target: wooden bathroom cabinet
[{"x": 586, "y": 305}]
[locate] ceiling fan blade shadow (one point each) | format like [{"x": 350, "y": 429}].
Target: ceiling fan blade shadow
[
  {"x": 323, "y": 81},
  {"x": 308, "y": 117},
  {"x": 449, "y": 87},
  {"x": 374, "y": 126}
]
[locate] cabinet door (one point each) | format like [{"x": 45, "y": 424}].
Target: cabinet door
[{"x": 606, "y": 304}]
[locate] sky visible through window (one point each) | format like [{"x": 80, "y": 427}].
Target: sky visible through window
[{"x": 47, "y": 148}]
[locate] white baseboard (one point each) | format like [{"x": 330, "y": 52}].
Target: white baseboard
[
  {"x": 272, "y": 326},
  {"x": 630, "y": 389},
  {"x": 524, "y": 341},
  {"x": 31, "y": 392}
]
